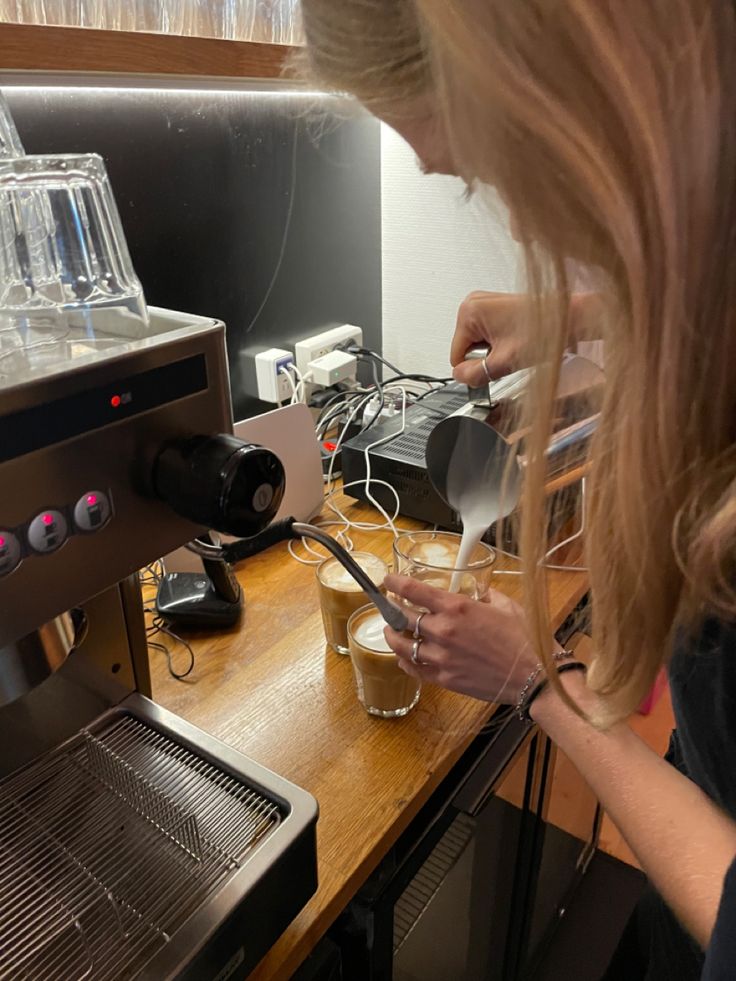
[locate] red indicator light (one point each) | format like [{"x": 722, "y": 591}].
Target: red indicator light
[
  {"x": 91, "y": 499},
  {"x": 330, "y": 447},
  {"x": 47, "y": 519},
  {"x": 2, "y": 543},
  {"x": 115, "y": 401}
]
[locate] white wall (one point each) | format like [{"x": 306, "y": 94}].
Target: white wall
[{"x": 437, "y": 248}]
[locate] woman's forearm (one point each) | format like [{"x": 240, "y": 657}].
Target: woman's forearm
[
  {"x": 683, "y": 841},
  {"x": 586, "y": 313}
]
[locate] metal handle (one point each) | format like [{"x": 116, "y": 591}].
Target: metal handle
[
  {"x": 283, "y": 530},
  {"x": 392, "y": 614},
  {"x": 576, "y": 435}
]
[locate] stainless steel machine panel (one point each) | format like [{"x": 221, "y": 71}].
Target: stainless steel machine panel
[
  {"x": 142, "y": 848},
  {"x": 132, "y": 845},
  {"x": 94, "y": 439}
]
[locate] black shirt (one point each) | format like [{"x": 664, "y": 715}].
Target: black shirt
[
  {"x": 720, "y": 960},
  {"x": 654, "y": 946},
  {"x": 703, "y": 684}
]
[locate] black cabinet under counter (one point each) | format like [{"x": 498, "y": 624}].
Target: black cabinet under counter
[{"x": 474, "y": 888}]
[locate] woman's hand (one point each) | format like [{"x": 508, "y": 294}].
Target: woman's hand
[
  {"x": 495, "y": 320},
  {"x": 477, "y": 647}
]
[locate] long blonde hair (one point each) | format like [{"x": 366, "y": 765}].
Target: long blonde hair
[{"x": 609, "y": 127}]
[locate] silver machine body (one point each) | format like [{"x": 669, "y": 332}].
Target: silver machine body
[{"x": 132, "y": 845}]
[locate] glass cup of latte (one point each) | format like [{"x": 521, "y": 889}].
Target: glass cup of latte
[
  {"x": 434, "y": 558},
  {"x": 383, "y": 688},
  {"x": 340, "y": 595}
]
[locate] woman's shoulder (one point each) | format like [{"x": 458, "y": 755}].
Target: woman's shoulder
[{"x": 712, "y": 637}]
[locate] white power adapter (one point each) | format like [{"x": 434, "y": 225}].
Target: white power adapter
[
  {"x": 391, "y": 408},
  {"x": 333, "y": 368},
  {"x": 273, "y": 385}
]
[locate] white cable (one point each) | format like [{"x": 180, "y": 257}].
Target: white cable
[
  {"x": 356, "y": 400},
  {"x": 300, "y": 383},
  {"x": 353, "y": 412},
  {"x": 366, "y": 455},
  {"x": 389, "y": 521},
  {"x": 283, "y": 370},
  {"x": 304, "y": 379},
  {"x": 344, "y": 524},
  {"x": 580, "y": 531},
  {"x": 285, "y": 236},
  {"x": 555, "y": 548},
  {"x": 319, "y": 557}
]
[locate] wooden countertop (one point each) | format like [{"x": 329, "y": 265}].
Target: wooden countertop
[{"x": 272, "y": 690}]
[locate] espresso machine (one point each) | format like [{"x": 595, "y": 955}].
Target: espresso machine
[{"x": 132, "y": 845}]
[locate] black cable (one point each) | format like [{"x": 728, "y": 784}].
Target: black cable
[
  {"x": 152, "y": 576},
  {"x": 379, "y": 389},
  {"x": 365, "y": 352},
  {"x": 352, "y": 348},
  {"x": 435, "y": 391},
  {"x": 158, "y": 625},
  {"x": 425, "y": 379},
  {"x": 345, "y": 395},
  {"x": 336, "y": 411}
]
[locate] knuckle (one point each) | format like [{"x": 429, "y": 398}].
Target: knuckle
[
  {"x": 457, "y": 606},
  {"x": 444, "y": 631}
]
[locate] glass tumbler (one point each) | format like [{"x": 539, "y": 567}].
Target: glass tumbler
[
  {"x": 432, "y": 557},
  {"x": 65, "y": 270},
  {"x": 383, "y": 688},
  {"x": 340, "y": 595}
]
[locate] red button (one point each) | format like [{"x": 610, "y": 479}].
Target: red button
[{"x": 330, "y": 447}]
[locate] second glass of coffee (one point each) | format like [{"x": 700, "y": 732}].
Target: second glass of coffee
[{"x": 340, "y": 595}]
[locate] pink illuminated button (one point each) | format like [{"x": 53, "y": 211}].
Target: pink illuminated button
[
  {"x": 92, "y": 511},
  {"x": 10, "y": 552},
  {"x": 48, "y": 531}
]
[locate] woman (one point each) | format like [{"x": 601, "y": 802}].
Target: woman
[{"x": 609, "y": 129}]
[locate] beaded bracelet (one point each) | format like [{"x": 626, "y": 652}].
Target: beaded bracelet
[{"x": 528, "y": 693}]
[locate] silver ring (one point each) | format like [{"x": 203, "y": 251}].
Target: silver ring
[
  {"x": 415, "y": 652},
  {"x": 417, "y": 635},
  {"x": 485, "y": 368}
]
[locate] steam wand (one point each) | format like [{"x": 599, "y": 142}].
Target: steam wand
[{"x": 288, "y": 529}]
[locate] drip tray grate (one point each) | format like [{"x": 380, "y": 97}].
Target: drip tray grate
[{"x": 108, "y": 845}]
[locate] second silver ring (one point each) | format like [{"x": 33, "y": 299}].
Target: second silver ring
[{"x": 415, "y": 652}]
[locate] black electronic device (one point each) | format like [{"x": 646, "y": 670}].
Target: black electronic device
[
  {"x": 211, "y": 598},
  {"x": 401, "y": 461}
]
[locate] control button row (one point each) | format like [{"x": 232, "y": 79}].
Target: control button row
[
  {"x": 10, "y": 552},
  {"x": 48, "y": 531}
]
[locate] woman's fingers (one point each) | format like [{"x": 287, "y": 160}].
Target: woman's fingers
[
  {"x": 403, "y": 647},
  {"x": 400, "y": 644},
  {"x": 472, "y": 372},
  {"x": 420, "y": 594},
  {"x": 471, "y": 327}
]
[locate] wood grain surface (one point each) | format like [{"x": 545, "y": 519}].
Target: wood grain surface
[
  {"x": 78, "y": 49},
  {"x": 274, "y": 691}
]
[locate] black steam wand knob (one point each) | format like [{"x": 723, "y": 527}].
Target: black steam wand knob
[{"x": 220, "y": 482}]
